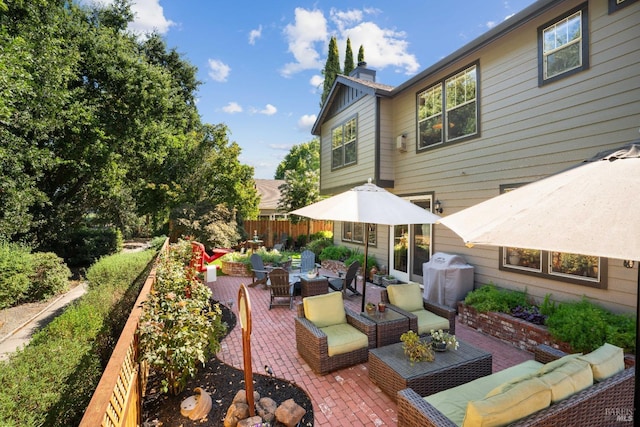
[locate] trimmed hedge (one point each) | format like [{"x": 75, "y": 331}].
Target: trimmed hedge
[{"x": 50, "y": 382}]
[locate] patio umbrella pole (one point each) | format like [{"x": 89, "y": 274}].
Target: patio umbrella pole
[{"x": 364, "y": 266}]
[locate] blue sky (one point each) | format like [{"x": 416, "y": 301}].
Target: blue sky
[{"x": 260, "y": 62}]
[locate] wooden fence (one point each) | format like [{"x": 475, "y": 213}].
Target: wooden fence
[
  {"x": 117, "y": 400},
  {"x": 272, "y": 231}
]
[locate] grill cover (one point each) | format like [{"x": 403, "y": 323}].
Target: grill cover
[{"x": 447, "y": 278}]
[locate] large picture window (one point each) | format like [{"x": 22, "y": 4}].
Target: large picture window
[
  {"x": 343, "y": 143},
  {"x": 574, "y": 268},
  {"x": 448, "y": 110},
  {"x": 563, "y": 46}
]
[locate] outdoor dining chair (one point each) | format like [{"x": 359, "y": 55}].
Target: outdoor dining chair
[
  {"x": 280, "y": 288},
  {"x": 260, "y": 275},
  {"x": 348, "y": 281}
]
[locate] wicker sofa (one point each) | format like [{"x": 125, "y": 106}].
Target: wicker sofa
[
  {"x": 601, "y": 403},
  {"x": 444, "y": 312}
]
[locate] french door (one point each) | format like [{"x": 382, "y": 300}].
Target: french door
[{"x": 410, "y": 246}]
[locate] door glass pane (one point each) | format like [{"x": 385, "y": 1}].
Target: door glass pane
[
  {"x": 421, "y": 241},
  {"x": 400, "y": 247}
]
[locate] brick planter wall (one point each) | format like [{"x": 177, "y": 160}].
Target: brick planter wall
[
  {"x": 517, "y": 332},
  {"x": 234, "y": 268}
]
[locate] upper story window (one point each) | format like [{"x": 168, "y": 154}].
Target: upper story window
[
  {"x": 343, "y": 143},
  {"x": 615, "y": 5},
  {"x": 448, "y": 110},
  {"x": 563, "y": 47}
]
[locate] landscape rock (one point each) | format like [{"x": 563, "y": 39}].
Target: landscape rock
[
  {"x": 249, "y": 422},
  {"x": 290, "y": 413},
  {"x": 266, "y": 408}
]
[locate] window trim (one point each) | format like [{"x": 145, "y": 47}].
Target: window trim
[
  {"x": 616, "y": 5},
  {"x": 343, "y": 126},
  {"x": 584, "y": 45},
  {"x": 445, "y": 141},
  {"x": 544, "y": 270}
]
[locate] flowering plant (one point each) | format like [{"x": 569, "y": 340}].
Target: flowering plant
[{"x": 445, "y": 339}]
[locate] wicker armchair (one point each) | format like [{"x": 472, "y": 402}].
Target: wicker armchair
[
  {"x": 593, "y": 406},
  {"x": 312, "y": 345},
  {"x": 438, "y": 309}
]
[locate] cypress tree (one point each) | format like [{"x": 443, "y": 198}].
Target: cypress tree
[
  {"x": 361, "y": 54},
  {"x": 331, "y": 69},
  {"x": 348, "y": 59}
]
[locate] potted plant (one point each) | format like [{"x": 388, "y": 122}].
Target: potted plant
[
  {"x": 381, "y": 307},
  {"x": 416, "y": 349},
  {"x": 443, "y": 341},
  {"x": 370, "y": 308}
]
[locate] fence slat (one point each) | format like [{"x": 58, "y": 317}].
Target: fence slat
[{"x": 271, "y": 231}]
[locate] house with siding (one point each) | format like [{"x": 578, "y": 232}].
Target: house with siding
[{"x": 547, "y": 88}]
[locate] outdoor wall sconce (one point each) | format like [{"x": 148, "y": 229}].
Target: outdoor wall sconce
[
  {"x": 628, "y": 263},
  {"x": 438, "y": 207}
]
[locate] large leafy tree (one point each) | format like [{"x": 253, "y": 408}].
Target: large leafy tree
[
  {"x": 300, "y": 170},
  {"x": 99, "y": 127}
]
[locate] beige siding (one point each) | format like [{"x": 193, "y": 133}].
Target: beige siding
[
  {"x": 528, "y": 132},
  {"x": 387, "y": 142},
  {"x": 365, "y": 109}
]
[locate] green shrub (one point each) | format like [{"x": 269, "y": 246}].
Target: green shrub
[
  {"x": 49, "y": 277},
  {"x": 491, "y": 298},
  {"x": 82, "y": 247},
  {"x": 586, "y": 326},
  {"x": 178, "y": 328},
  {"x": 50, "y": 382},
  {"x": 318, "y": 245},
  {"x": 321, "y": 235},
  {"x": 337, "y": 253},
  {"x": 357, "y": 256},
  {"x": 15, "y": 268}
]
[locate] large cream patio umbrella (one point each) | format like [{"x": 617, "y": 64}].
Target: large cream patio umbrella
[
  {"x": 368, "y": 204},
  {"x": 589, "y": 209}
]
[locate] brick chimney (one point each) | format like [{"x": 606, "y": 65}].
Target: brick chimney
[{"x": 364, "y": 73}]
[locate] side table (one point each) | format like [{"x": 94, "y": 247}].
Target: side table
[
  {"x": 313, "y": 286},
  {"x": 389, "y": 326}
]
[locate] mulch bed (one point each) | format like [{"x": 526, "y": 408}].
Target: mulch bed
[{"x": 222, "y": 382}]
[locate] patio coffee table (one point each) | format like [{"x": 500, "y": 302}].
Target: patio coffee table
[
  {"x": 392, "y": 371},
  {"x": 389, "y": 326}
]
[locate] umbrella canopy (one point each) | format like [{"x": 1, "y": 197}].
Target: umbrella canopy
[
  {"x": 368, "y": 204},
  {"x": 589, "y": 209}
]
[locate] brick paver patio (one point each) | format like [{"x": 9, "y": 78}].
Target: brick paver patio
[{"x": 342, "y": 398}]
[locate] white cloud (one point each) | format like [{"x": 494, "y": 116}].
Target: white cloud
[
  {"x": 382, "y": 47},
  {"x": 306, "y": 122},
  {"x": 149, "y": 16},
  {"x": 232, "y": 108},
  {"x": 218, "y": 70},
  {"x": 309, "y": 33},
  {"x": 308, "y": 30},
  {"x": 316, "y": 81},
  {"x": 490, "y": 24},
  {"x": 268, "y": 110},
  {"x": 254, "y": 35}
]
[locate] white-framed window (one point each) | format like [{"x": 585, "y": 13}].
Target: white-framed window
[
  {"x": 563, "y": 45},
  {"x": 448, "y": 110},
  {"x": 344, "y": 138}
]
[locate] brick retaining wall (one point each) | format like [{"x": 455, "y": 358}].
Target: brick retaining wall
[
  {"x": 517, "y": 332},
  {"x": 234, "y": 268}
]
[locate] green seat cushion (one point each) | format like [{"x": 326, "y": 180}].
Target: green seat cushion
[
  {"x": 428, "y": 321},
  {"x": 521, "y": 399},
  {"x": 325, "y": 310},
  {"x": 344, "y": 338},
  {"x": 453, "y": 402},
  {"x": 605, "y": 361},
  {"x": 571, "y": 377},
  {"x": 407, "y": 297}
]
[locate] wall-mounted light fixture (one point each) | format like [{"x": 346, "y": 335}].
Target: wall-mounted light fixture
[
  {"x": 401, "y": 143},
  {"x": 438, "y": 207},
  {"x": 628, "y": 263}
]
